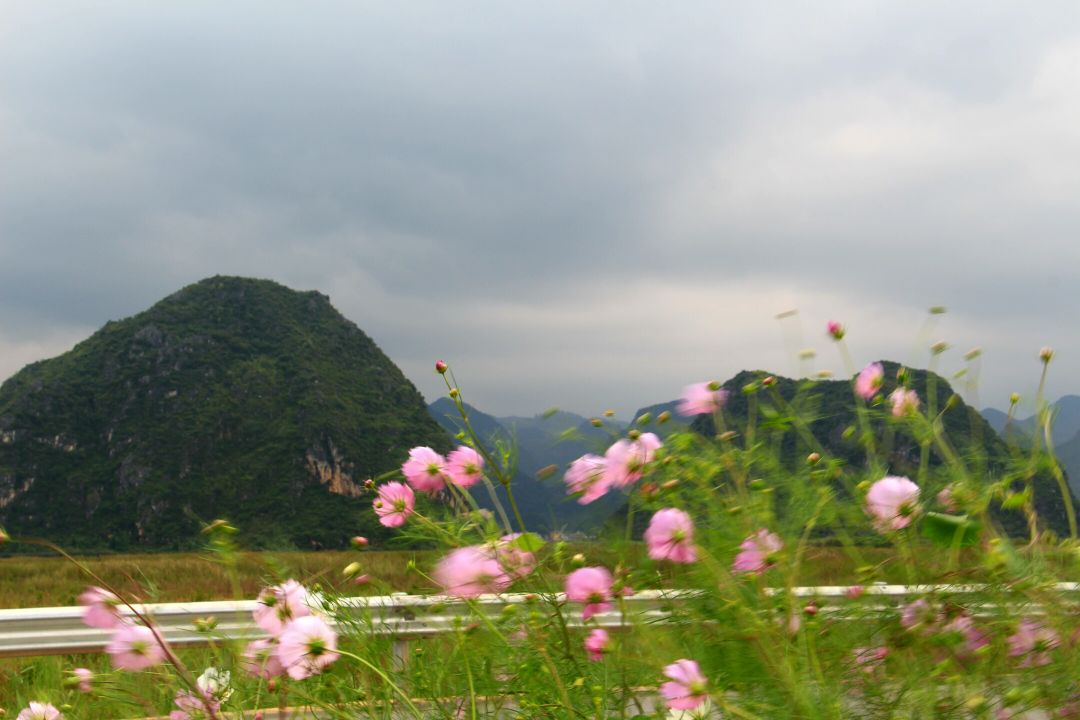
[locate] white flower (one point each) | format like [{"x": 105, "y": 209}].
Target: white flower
[{"x": 216, "y": 683}]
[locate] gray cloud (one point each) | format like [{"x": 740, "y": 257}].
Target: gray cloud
[{"x": 585, "y": 205}]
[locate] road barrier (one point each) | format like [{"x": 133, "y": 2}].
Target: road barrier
[{"x": 31, "y": 632}]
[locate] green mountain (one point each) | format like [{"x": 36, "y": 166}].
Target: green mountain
[
  {"x": 829, "y": 407},
  {"x": 549, "y": 439},
  {"x": 233, "y": 398}
]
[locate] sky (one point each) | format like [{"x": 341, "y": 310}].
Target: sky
[{"x": 577, "y": 204}]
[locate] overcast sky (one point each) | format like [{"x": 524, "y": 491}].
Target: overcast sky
[{"x": 585, "y": 205}]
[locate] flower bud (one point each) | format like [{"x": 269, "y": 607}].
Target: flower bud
[
  {"x": 634, "y": 434},
  {"x": 454, "y": 393},
  {"x": 578, "y": 560},
  {"x": 973, "y": 353},
  {"x": 352, "y": 569},
  {"x": 729, "y": 435},
  {"x": 939, "y": 347},
  {"x": 440, "y": 367},
  {"x": 663, "y": 417},
  {"x": 768, "y": 381},
  {"x": 596, "y": 422},
  {"x": 835, "y": 329},
  {"x": 813, "y": 458},
  {"x": 807, "y": 354},
  {"x": 359, "y": 542},
  {"x": 369, "y": 483},
  {"x": 1014, "y": 398},
  {"x": 937, "y": 310},
  {"x": 644, "y": 418},
  {"x": 811, "y": 608},
  {"x": 1046, "y": 354},
  {"x": 363, "y": 579},
  {"x": 609, "y": 413},
  {"x": 824, "y": 374}
]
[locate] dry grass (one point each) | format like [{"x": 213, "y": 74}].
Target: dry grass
[{"x": 184, "y": 577}]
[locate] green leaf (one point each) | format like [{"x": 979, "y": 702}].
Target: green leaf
[
  {"x": 529, "y": 542},
  {"x": 950, "y": 530}
]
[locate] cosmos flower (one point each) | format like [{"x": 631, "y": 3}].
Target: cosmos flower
[
  {"x": 464, "y": 466},
  {"x": 596, "y": 644},
  {"x": 701, "y": 398},
  {"x": 134, "y": 647},
  {"x": 306, "y": 646},
  {"x": 590, "y": 586},
  {"x": 276, "y": 606},
  {"x": 687, "y": 688},
  {"x": 869, "y": 380},
  {"x": 670, "y": 536},
  {"x": 588, "y": 476},
  {"x": 892, "y": 502},
  {"x": 425, "y": 470},
  {"x": 394, "y": 504},
  {"x": 756, "y": 552}
]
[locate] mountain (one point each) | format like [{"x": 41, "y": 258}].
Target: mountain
[
  {"x": 1064, "y": 424},
  {"x": 829, "y": 408},
  {"x": 554, "y": 438},
  {"x": 233, "y": 398}
]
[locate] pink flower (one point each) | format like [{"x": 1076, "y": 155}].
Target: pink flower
[
  {"x": 597, "y": 644},
  {"x": 85, "y": 678},
  {"x": 835, "y": 330},
  {"x": 464, "y": 466},
  {"x": 471, "y": 571},
  {"x": 102, "y": 608},
  {"x": 854, "y": 592},
  {"x": 974, "y": 638},
  {"x": 687, "y": 688},
  {"x": 590, "y": 586},
  {"x": 394, "y": 504},
  {"x": 918, "y": 615},
  {"x": 193, "y": 705},
  {"x": 702, "y": 398},
  {"x": 868, "y": 382},
  {"x": 134, "y": 647},
  {"x": 306, "y": 646},
  {"x": 670, "y": 536},
  {"x": 869, "y": 659},
  {"x": 1033, "y": 641},
  {"x": 39, "y": 711},
  {"x": 946, "y": 499},
  {"x": 517, "y": 563},
  {"x": 587, "y": 475},
  {"x": 904, "y": 402},
  {"x": 276, "y": 606},
  {"x": 756, "y": 552},
  {"x": 425, "y": 470},
  {"x": 260, "y": 659},
  {"x": 627, "y": 459},
  {"x": 892, "y": 502}
]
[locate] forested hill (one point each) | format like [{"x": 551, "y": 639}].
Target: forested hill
[{"x": 234, "y": 398}]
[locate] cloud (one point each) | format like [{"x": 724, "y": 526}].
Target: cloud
[{"x": 586, "y": 205}]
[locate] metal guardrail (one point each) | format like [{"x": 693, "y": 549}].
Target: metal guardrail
[{"x": 31, "y": 632}]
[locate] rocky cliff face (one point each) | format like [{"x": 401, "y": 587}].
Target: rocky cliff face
[{"x": 233, "y": 397}]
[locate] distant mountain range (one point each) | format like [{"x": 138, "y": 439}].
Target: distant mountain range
[
  {"x": 560, "y": 438},
  {"x": 244, "y": 399},
  {"x": 550, "y": 439},
  {"x": 1064, "y": 431}
]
